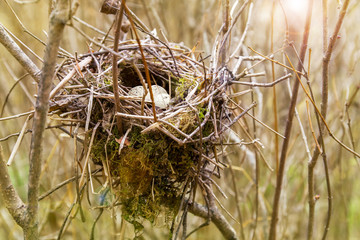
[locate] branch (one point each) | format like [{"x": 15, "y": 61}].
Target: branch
[
  {"x": 216, "y": 217},
  {"x": 118, "y": 20},
  {"x": 18, "y": 54},
  {"x": 328, "y": 50},
  {"x": 12, "y": 201},
  {"x": 288, "y": 128},
  {"x": 58, "y": 19},
  {"x": 226, "y": 23}
]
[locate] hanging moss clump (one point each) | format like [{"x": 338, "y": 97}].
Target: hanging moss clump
[{"x": 149, "y": 173}]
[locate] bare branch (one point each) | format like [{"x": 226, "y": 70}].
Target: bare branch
[
  {"x": 18, "y": 54},
  {"x": 328, "y": 49},
  {"x": 12, "y": 201},
  {"x": 288, "y": 128},
  {"x": 216, "y": 217},
  {"x": 58, "y": 19}
]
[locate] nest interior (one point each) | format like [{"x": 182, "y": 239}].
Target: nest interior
[{"x": 161, "y": 153}]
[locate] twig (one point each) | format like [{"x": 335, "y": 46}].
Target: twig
[
  {"x": 275, "y": 111},
  {"x": 21, "y": 24},
  {"x": 271, "y": 84},
  {"x": 280, "y": 175},
  {"x": 19, "y": 55},
  {"x": 115, "y": 72},
  {"x": 82, "y": 33},
  {"x": 18, "y": 141},
  {"x": 68, "y": 77},
  {"x": 328, "y": 50},
  {"x": 311, "y": 127},
  {"x": 322, "y": 117},
  {"x": 242, "y": 234},
  {"x": 17, "y": 115},
  {"x": 144, "y": 87},
  {"x": 12, "y": 88},
  {"x": 23, "y": 44},
  {"x": 274, "y": 61},
  {"x": 89, "y": 26},
  {"x": 82, "y": 178},
  {"x": 347, "y": 107},
  {"x": 303, "y": 134},
  {"x": 263, "y": 124},
  {"x": 227, "y": 29},
  {"x": 134, "y": 116},
  {"x": 239, "y": 45},
  {"x": 144, "y": 62}
]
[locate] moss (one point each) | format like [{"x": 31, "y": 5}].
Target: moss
[
  {"x": 185, "y": 85},
  {"x": 207, "y": 129},
  {"x": 148, "y": 175},
  {"x": 107, "y": 81},
  {"x": 186, "y": 121}
]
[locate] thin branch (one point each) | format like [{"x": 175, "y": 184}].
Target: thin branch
[
  {"x": 216, "y": 217},
  {"x": 23, "y": 44},
  {"x": 276, "y": 125},
  {"x": 19, "y": 54},
  {"x": 347, "y": 107},
  {"x": 228, "y": 31},
  {"x": 10, "y": 91},
  {"x": 271, "y": 84},
  {"x": 321, "y": 116},
  {"x": 288, "y": 128},
  {"x": 17, "y": 116},
  {"x": 273, "y": 61},
  {"x": 328, "y": 50},
  {"x": 18, "y": 141},
  {"x": 128, "y": 12},
  {"x": 240, "y": 43},
  {"x": 68, "y": 77},
  {"x": 118, "y": 20}
]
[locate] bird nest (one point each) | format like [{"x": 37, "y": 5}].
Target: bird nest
[{"x": 158, "y": 142}]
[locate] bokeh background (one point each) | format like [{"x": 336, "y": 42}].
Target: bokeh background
[{"x": 196, "y": 23}]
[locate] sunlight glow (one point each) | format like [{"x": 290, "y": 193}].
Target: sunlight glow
[{"x": 296, "y": 6}]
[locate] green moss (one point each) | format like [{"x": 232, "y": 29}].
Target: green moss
[
  {"x": 202, "y": 112},
  {"x": 184, "y": 86},
  {"x": 187, "y": 122},
  {"x": 148, "y": 175},
  {"x": 107, "y": 81}
]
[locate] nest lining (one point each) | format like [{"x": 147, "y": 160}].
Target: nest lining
[{"x": 153, "y": 164}]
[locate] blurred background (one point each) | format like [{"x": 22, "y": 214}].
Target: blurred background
[{"x": 196, "y": 23}]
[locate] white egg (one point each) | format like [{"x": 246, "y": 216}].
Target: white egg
[
  {"x": 156, "y": 89},
  {"x": 137, "y": 91},
  {"x": 161, "y": 97},
  {"x": 161, "y": 100}
]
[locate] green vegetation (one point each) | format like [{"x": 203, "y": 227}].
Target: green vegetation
[{"x": 148, "y": 175}]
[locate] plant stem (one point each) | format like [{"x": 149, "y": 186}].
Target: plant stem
[
  {"x": 288, "y": 128},
  {"x": 328, "y": 49}
]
